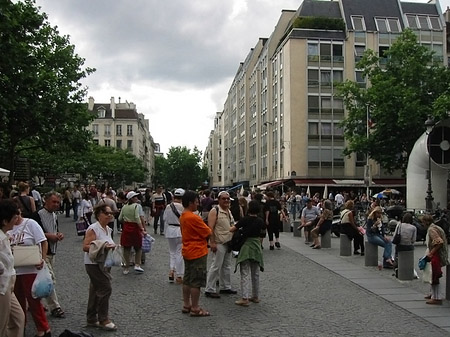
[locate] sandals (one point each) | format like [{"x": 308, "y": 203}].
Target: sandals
[
  {"x": 179, "y": 280},
  {"x": 186, "y": 310},
  {"x": 58, "y": 313},
  {"x": 199, "y": 313},
  {"x": 93, "y": 324}
]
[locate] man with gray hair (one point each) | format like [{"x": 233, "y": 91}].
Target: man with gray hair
[{"x": 47, "y": 219}]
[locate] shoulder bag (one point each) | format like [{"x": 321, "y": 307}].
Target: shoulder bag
[
  {"x": 26, "y": 255},
  {"x": 398, "y": 236}
]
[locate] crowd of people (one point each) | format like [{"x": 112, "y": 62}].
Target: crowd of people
[{"x": 199, "y": 228}]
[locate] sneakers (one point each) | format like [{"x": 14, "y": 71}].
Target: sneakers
[
  {"x": 277, "y": 244},
  {"x": 138, "y": 269},
  {"x": 125, "y": 271},
  {"x": 242, "y": 302},
  {"x": 271, "y": 247}
]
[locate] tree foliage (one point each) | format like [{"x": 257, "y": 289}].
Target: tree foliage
[
  {"x": 112, "y": 164},
  {"x": 41, "y": 95},
  {"x": 181, "y": 168},
  {"x": 409, "y": 87}
]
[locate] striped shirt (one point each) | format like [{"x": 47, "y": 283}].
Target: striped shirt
[{"x": 50, "y": 225}]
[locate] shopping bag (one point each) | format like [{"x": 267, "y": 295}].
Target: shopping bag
[
  {"x": 43, "y": 283},
  {"x": 426, "y": 273},
  {"x": 114, "y": 257},
  {"x": 147, "y": 243},
  {"x": 81, "y": 226}
]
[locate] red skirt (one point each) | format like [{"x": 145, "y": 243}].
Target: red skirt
[{"x": 131, "y": 235}]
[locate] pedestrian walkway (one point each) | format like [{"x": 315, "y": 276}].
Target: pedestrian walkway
[{"x": 303, "y": 293}]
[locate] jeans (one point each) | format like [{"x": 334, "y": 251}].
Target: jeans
[
  {"x": 379, "y": 241},
  {"x": 159, "y": 216},
  {"x": 249, "y": 270},
  {"x": 75, "y": 210},
  {"x": 220, "y": 268}
]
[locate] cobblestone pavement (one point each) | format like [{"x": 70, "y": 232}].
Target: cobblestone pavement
[{"x": 299, "y": 297}]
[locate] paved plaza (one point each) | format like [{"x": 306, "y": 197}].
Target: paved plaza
[{"x": 304, "y": 292}]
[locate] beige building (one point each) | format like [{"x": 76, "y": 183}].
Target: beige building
[
  {"x": 120, "y": 125},
  {"x": 281, "y": 117}
]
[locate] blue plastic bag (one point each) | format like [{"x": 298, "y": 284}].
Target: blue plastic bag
[
  {"x": 423, "y": 262},
  {"x": 43, "y": 283}
]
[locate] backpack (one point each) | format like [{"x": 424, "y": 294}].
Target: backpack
[{"x": 237, "y": 240}]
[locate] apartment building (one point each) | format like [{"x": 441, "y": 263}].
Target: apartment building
[
  {"x": 281, "y": 117},
  {"x": 120, "y": 125}
]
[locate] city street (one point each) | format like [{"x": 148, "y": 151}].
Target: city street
[{"x": 301, "y": 295}]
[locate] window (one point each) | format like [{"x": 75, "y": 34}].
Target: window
[
  {"x": 326, "y": 104},
  {"x": 130, "y": 144},
  {"x": 358, "y": 23},
  {"x": 423, "y": 22},
  {"x": 412, "y": 23},
  {"x": 313, "y": 77},
  {"x": 313, "y": 103},
  {"x": 101, "y": 113},
  {"x": 381, "y": 25},
  {"x": 129, "y": 130},
  {"x": 95, "y": 129},
  {"x": 360, "y": 78},
  {"x": 325, "y": 78},
  {"x": 338, "y": 158},
  {"x": 95, "y": 141},
  {"x": 313, "y": 128},
  {"x": 337, "y": 53},
  {"x": 360, "y": 159},
  {"x": 107, "y": 130},
  {"x": 325, "y": 52},
  {"x": 119, "y": 130},
  {"x": 435, "y": 23},
  {"x": 325, "y": 130},
  {"x": 337, "y": 130},
  {"x": 386, "y": 25},
  {"x": 338, "y": 76},
  {"x": 107, "y": 142},
  {"x": 119, "y": 143},
  {"x": 313, "y": 52}
]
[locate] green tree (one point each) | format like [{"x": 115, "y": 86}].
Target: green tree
[
  {"x": 41, "y": 94},
  {"x": 407, "y": 84},
  {"x": 181, "y": 168},
  {"x": 114, "y": 165}
]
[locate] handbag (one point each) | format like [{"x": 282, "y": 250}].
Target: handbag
[
  {"x": 397, "y": 236},
  {"x": 361, "y": 230},
  {"x": 26, "y": 255},
  {"x": 147, "y": 243},
  {"x": 81, "y": 226}
]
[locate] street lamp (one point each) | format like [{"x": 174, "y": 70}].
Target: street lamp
[{"x": 429, "y": 125}]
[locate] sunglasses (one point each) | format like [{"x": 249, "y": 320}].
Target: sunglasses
[
  {"x": 225, "y": 199},
  {"x": 108, "y": 213}
]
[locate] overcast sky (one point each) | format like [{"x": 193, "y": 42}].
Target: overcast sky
[{"x": 175, "y": 59}]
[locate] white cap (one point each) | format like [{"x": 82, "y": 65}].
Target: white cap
[
  {"x": 179, "y": 192},
  {"x": 131, "y": 195}
]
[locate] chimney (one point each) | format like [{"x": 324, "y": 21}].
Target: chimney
[
  {"x": 90, "y": 103},
  {"x": 113, "y": 107}
]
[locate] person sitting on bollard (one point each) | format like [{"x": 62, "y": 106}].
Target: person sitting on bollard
[
  {"x": 408, "y": 233},
  {"x": 349, "y": 228},
  {"x": 310, "y": 214},
  {"x": 324, "y": 223},
  {"x": 437, "y": 253},
  {"x": 375, "y": 235}
]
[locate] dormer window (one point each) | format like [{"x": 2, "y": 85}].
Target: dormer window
[
  {"x": 388, "y": 25},
  {"x": 101, "y": 113},
  {"x": 358, "y": 23}
]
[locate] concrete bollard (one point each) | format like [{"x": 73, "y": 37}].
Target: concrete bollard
[
  {"x": 406, "y": 265},
  {"x": 287, "y": 226},
  {"x": 297, "y": 232},
  {"x": 371, "y": 254},
  {"x": 345, "y": 246},
  {"x": 325, "y": 240}
]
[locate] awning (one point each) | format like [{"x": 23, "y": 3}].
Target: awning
[
  {"x": 350, "y": 182},
  {"x": 4, "y": 172},
  {"x": 270, "y": 184}
]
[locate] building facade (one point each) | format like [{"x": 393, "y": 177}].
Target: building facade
[
  {"x": 119, "y": 125},
  {"x": 281, "y": 116}
]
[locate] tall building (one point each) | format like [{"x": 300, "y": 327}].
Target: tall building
[
  {"x": 120, "y": 125},
  {"x": 281, "y": 117}
]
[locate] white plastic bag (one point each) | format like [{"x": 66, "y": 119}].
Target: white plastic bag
[
  {"x": 147, "y": 243},
  {"x": 114, "y": 257},
  {"x": 43, "y": 283},
  {"x": 426, "y": 273}
]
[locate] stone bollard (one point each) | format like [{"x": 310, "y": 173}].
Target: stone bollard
[
  {"x": 297, "y": 232},
  {"x": 345, "y": 246},
  {"x": 325, "y": 240},
  {"x": 406, "y": 265},
  {"x": 371, "y": 255},
  {"x": 287, "y": 226}
]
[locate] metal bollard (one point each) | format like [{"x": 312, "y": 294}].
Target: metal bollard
[
  {"x": 297, "y": 232},
  {"x": 325, "y": 240},
  {"x": 371, "y": 255},
  {"x": 345, "y": 246},
  {"x": 406, "y": 265}
]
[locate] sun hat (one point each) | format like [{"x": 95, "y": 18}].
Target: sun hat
[
  {"x": 179, "y": 192},
  {"x": 131, "y": 195}
]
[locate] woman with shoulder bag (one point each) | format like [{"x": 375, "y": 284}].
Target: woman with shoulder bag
[
  {"x": 12, "y": 317},
  {"x": 27, "y": 232},
  {"x": 350, "y": 228}
]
